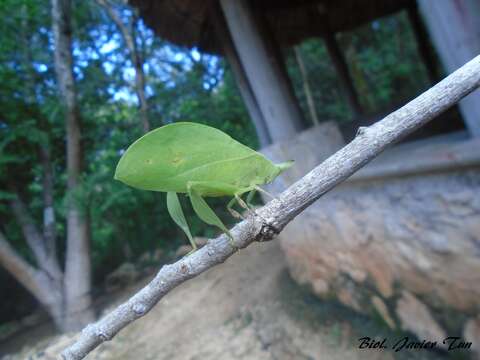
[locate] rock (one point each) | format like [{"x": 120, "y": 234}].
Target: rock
[
  {"x": 182, "y": 251},
  {"x": 200, "y": 241},
  {"x": 320, "y": 287},
  {"x": 53, "y": 351},
  {"x": 415, "y": 317},
  {"x": 347, "y": 297},
  {"x": 383, "y": 311},
  {"x": 126, "y": 274},
  {"x": 471, "y": 333},
  {"x": 149, "y": 257},
  {"x": 391, "y": 228},
  {"x": 185, "y": 249}
]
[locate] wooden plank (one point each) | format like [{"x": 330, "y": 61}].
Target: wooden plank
[
  {"x": 454, "y": 27},
  {"x": 246, "y": 92},
  {"x": 269, "y": 83}
]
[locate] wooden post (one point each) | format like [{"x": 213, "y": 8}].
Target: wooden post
[
  {"x": 454, "y": 27},
  {"x": 268, "y": 81},
  {"x": 253, "y": 109},
  {"x": 306, "y": 85},
  {"x": 423, "y": 44},
  {"x": 341, "y": 66}
]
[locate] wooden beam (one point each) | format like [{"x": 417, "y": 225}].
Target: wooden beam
[
  {"x": 454, "y": 27},
  {"x": 221, "y": 30},
  {"x": 306, "y": 85},
  {"x": 341, "y": 66},
  {"x": 268, "y": 81}
]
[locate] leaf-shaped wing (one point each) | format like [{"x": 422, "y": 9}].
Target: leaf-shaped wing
[{"x": 167, "y": 158}]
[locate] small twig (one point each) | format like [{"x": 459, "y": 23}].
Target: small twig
[{"x": 278, "y": 213}]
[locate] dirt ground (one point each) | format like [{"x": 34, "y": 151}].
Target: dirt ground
[{"x": 246, "y": 308}]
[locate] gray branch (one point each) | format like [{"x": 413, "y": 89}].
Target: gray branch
[
  {"x": 18, "y": 267},
  {"x": 128, "y": 34},
  {"x": 273, "y": 217}
]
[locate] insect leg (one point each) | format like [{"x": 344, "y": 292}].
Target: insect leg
[
  {"x": 176, "y": 212},
  {"x": 250, "y": 196},
  {"x": 232, "y": 211},
  {"x": 258, "y": 188},
  {"x": 205, "y": 213}
]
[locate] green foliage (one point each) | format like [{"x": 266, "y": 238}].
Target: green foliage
[
  {"x": 329, "y": 100},
  {"x": 383, "y": 61}
]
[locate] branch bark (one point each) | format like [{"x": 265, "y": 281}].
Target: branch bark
[{"x": 273, "y": 217}]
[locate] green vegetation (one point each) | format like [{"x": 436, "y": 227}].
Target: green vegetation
[{"x": 384, "y": 63}]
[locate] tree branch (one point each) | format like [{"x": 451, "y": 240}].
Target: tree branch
[
  {"x": 273, "y": 217},
  {"x": 30, "y": 231},
  {"x": 46, "y": 261},
  {"x": 129, "y": 38},
  {"x": 22, "y": 271},
  {"x": 38, "y": 282},
  {"x": 49, "y": 223}
]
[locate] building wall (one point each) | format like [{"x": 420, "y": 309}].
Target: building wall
[{"x": 400, "y": 238}]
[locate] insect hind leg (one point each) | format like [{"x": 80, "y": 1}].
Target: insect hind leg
[
  {"x": 203, "y": 210},
  {"x": 259, "y": 189},
  {"x": 238, "y": 199},
  {"x": 232, "y": 211}
]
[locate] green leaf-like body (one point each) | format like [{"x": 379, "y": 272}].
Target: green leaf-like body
[{"x": 170, "y": 157}]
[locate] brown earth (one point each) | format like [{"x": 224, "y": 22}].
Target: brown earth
[{"x": 247, "y": 308}]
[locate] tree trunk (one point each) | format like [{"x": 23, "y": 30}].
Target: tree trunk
[
  {"x": 46, "y": 289},
  {"x": 77, "y": 311}
]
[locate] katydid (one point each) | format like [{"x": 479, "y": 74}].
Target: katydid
[{"x": 197, "y": 160}]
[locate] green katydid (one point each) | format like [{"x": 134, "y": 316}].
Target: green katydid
[{"x": 197, "y": 160}]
